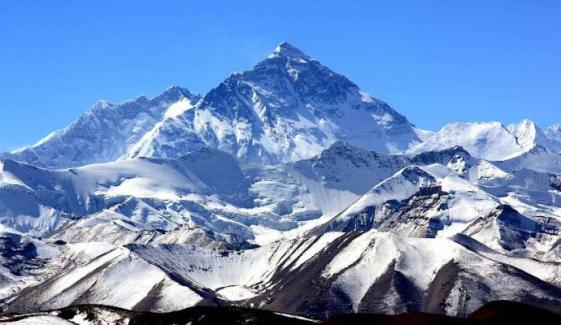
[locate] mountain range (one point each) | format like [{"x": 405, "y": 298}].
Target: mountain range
[{"x": 284, "y": 188}]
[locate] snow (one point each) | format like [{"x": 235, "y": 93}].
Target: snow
[
  {"x": 316, "y": 248},
  {"x": 529, "y": 135},
  {"x": 400, "y": 186},
  {"x": 468, "y": 201},
  {"x": 128, "y": 282},
  {"x": 350, "y": 254},
  {"x": 367, "y": 257},
  {"x": 178, "y": 108},
  {"x": 487, "y": 140},
  {"x": 236, "y": 293},
  {"x": 298, "y": 317},
  {"x": 287, "y": 50},
  {"x": 538, "y": 159},
  {"x": 486, "y": 170},
  {"x": 115, "y": 278},
  {"x": 64, "y": 281},
  {"x": 465, "y": 201},
  {"x": 82, "y": 252},
  {"x": 236, "y": 275},
  {"x": 492, "y": 140}
]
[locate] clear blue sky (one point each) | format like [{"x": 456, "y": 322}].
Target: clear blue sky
[{"x": 434, "y": 61}]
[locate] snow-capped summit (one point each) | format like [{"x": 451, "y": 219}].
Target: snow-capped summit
[
  {"x": 488, "y": 140},
  {"x": 526, "y": 132},
  {"x": 492, "y": 140},
  {"x": 529, "y": 135},
  {"x": 176, "y": 92},
  {"x": 288, "y": 107},
  {"x": 287, "y": 50},
  {"x": 102, "y": 134}
]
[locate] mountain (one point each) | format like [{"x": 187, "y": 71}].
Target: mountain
[
  {"x": 529, "y": 135},
  {"x": 433, "y": 230},
  {"x": 105, "y": 132},
  {"x": 492, "y": 140},
  {"x": 366, "y": 271},
  {"x": 138, "y": 195},
  {"x": 288, "y": 107},
  {"x": 286, "y": 189},
  {"x": 201, "y": 197}
]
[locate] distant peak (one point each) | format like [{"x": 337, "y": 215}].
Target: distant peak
[
  {"x": 175, "y": 93},
  {"x": 524, "y": 126},
  {"x": 101, "y": 104},
  {"x": 527, "y": 123},
  {"x": 285, "y": 49},
  {"x": 177, "y": 90}
]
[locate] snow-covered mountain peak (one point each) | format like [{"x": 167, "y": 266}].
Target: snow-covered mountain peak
[
  {"x": 102, "y": 104},
  {"x": 487, "y": 140},
  {"x": 289, "y": 51},
  {"x": 492, "y": 140},
  {"x": 446, "y": 152},
  {"x": 103, "y": 133},
  {"x": 294, "y": 79},
  {"x": 175, "y": 93},
  {"x": 527, "y": 123},
  {"x": 527, "y": 133},
  {"x": 416, "y": 175},
  {"x": 400, "y": 186},
  {"x": 286, "y": 108}
]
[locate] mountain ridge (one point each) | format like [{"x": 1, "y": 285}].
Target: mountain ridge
[{"x": 101, "y": 134}]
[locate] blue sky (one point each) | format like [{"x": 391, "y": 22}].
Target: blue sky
[{"x": 434, "y": 61}]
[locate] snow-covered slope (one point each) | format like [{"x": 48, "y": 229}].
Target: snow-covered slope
[
  {"x": 201, "y": 197},
  {"x": 24, "y": 261},
  {"x": 539, "y": 159},
  {"x": 138, "y": 193},
  {"x": 288, "y": 107},
  {"x": 372, "y": 271},
  {"x": 105, "y": 132},
  {"x": 115, "y": 278}
]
